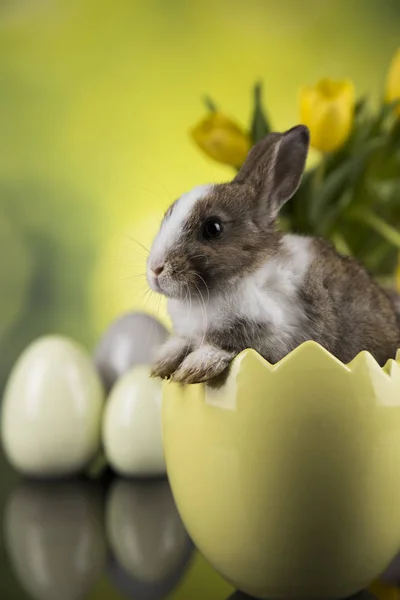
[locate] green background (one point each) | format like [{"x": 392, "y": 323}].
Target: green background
[{"x": 96, "y": 99}]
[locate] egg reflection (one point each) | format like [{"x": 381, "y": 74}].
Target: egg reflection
[
  {"x": 55, "y": 538},
  {"x": 150, "y": 547}
]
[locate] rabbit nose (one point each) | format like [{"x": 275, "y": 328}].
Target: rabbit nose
[{"x": 158, "y": 270}]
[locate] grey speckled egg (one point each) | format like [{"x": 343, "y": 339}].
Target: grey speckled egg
[{"x": 131, "y": 340}]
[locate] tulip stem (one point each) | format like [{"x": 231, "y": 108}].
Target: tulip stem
[
  {"x": 316, "y": 186},
  {"x": 389, "y": 233},
  {"x": 319, "y": 172},
  {"x": 341, "y": 244}
]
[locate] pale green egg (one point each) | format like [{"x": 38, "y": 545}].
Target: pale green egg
[
  {"x": 52, "y": 409},
  {"x": 132, "y": 435}
]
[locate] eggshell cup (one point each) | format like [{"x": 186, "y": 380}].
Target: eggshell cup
[{"x": 287, "y": 476}]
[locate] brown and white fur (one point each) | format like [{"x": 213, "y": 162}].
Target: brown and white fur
[{"x": 234, "y": 281}]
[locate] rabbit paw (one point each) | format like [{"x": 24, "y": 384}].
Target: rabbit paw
[
  {"x": 169, "y": 356},
  {"x": 203, "y": 364}
]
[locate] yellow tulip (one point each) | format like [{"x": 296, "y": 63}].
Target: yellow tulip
[
  {"x": 222, "y": 139},
  {"x": 393, "y": 80},
  {"x": 328, "y": 110}
]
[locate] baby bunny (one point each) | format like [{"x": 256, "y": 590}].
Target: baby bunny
[{"x": 233, "y": 281}]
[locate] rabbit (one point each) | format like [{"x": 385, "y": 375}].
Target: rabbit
[{"x": 234, "y": 281}]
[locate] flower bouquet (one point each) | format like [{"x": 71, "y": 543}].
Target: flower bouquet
[{"x": 351, "y": 196}]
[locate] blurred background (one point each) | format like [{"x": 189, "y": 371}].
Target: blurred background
[{"x": 96, "y": 101}]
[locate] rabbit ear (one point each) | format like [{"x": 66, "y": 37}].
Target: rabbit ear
[{"x": 274, "y": 168}]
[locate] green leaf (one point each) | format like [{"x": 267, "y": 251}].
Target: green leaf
[
  {"x": 366, "y": 151},
  {"x": 368, "y": 217},
  {"x": 284, "y": 223},
  {"x": 328, "y": 192},
  {"x": 360, "y": 106},
  {"x": 335, "y": 159},
  {"x": 388, "y": 107},
  {"x": 296, "y": 210},
  {"x": 333, "y": 213},
  {"x": 386, "y": 110},
  {"x": 394, "y": 135},
  {"x": 260, "y": 126},
  {"x": 337, "y": 189},
  {"x": 210, "y": 104},
  {"x": 340, "y": 244},
  {"x": 385, "y": 190},
  {"x": 379, "y": 257},
  {"x": 369, "y": 126},
  {"x": 361, "y": 133}
]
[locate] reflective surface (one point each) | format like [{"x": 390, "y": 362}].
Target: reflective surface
[
  {"x": 109, "y": 539},
  {"x": 364, "y": 595}
]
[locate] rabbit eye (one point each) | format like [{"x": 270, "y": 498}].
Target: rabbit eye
[{"x": 212, "y": 229}]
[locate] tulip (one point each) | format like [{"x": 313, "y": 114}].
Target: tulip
[
  {"x": 222, "y": 139},
  {"x": 328, "y": 110},
  {"x": 393, "y": 80}
]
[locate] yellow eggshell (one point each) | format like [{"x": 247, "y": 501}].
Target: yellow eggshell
[
  {"x": 132, "y": 425},
  {"x": 52, "y": 408},
  {"x": 286, "y": 475}
]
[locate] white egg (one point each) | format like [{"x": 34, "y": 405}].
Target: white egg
[
  {"x": 52, "y": 409},
  {"x": 132, "y": 436}
]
